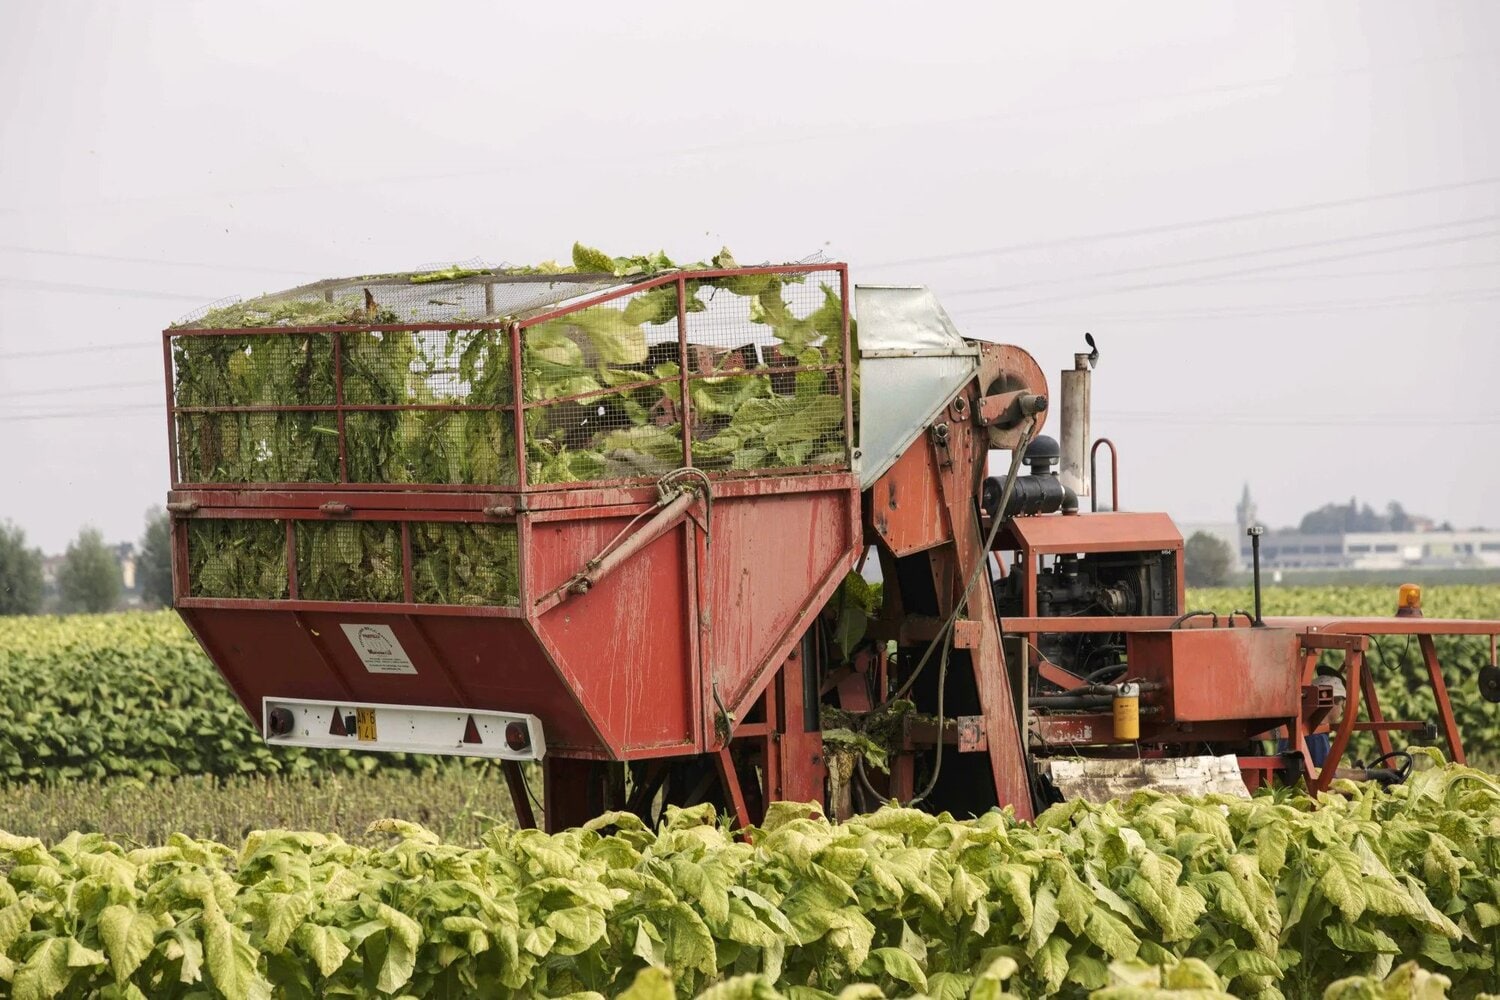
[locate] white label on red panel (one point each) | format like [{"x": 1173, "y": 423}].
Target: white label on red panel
[{"x": 379, "y": 649}]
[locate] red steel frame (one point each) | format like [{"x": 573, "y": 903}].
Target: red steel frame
[
  {"x": 1317, "y": 634},
  {"x": 786, "y": 753},
  {"x": 778, "y": 749}
]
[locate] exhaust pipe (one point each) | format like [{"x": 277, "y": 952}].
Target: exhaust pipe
[{"x": 1075, "y": 434}]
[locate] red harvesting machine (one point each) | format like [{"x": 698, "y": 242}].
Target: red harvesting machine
[{"x": 609, "y": 524}]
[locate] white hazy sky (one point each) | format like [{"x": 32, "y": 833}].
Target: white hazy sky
[{"x": 1280, "y": 220}]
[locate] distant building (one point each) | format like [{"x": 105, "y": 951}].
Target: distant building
[{"x": 1377, "y": 550}]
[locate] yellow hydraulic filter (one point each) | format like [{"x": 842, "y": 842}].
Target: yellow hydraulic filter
[{"x": 1127, "y": 707}]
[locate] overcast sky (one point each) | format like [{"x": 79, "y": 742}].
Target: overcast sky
[{"x": 1281, "y": 221}]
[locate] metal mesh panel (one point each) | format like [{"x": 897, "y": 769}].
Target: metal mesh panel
[
  {"x": 349, "y": 561},
  {"x": 741, "y": 423},
  {"x": 237, "y": 558},
  {"x": 788, "y": 330},
  {"x": 258, "y": 447},
  {"x": 253, "y": 370},
  {"x": 609, "y": 380},
  {"x": 469, "y": 367},
  {"x": 462, "y": 563},
  {"x": 472, "y": 447}
]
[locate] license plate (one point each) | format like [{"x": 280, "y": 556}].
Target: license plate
[{"x": 364, "y": 724}]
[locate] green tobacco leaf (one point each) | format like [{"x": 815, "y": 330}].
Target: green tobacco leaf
[
  {"x": 324, "y": 945},
  {"x": 230, "y": 960},
  {"x": 45, "y": 973},
  {"x": 590, "y": 261},
  {"x": 129, "y": 938}
]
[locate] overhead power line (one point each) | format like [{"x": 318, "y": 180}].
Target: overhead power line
[
  {"x": 139, "y": 410},
  {"x": 1186, "y": 419},
  {"x": 63, "y": 390},
  {"x": 1386, "y": 272},
  {"x": 1173, "y": 227},
  {"x": 38, "y": 285},
  {"x": 1192, "y": 279},
  {"x": 87, "y": 349},
  {"x": 1379, "y": 234},
  {"x": 118, "y": 258},
  {"x": 823, "y": 133},
  {"x": 1255, "y": 311}
]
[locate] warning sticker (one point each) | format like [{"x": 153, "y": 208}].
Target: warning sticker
[{"x": 378, "y": 649}]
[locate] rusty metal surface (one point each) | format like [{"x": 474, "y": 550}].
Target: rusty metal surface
[
  {"x": 1217, "y": 675},
  {"x": 480, "y": 662},
  {"x": 1005, "y": 369},
  {"x": 906, "y": 509},
  {"x": 966, "y": 732},
  {"x": 623, "y": 647},
  {"x": 772, "y": 563},
  {"x": 1108, "y": 532}
]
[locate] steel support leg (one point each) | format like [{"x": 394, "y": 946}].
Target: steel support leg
[{"x": 1445, "y": 707}]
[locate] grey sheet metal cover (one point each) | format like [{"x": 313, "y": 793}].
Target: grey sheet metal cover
[{"x": 912, "y": 361}]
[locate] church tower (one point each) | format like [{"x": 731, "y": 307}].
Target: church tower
[{"x": 1244, "y": 511}]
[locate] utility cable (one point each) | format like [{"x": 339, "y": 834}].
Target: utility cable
[
  {"x": 983, "y": 561},
  {"x": 1190, "y": 279},
  {"x": 1173, "y": 227}
]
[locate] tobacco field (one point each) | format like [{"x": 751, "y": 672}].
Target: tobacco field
[
  {"x": 132, "y": 695},
  {"x": 1249, "y": 898},
  {"x": 95, "y": 696},
  {"x": 1373, "y": 894}
]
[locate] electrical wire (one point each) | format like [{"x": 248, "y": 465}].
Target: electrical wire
[
  {"x": 120, "y": 259},
  {"x": 1190, "y": 279},
  {"x": 983, "y": 562},
  {"x": 88, "y": 387},
  {"x": 1174, "y": 227},
  {"x": 937, "y": 764},
  {"x": 87, "y": 349},
  {"x": 71, "y": 288}
]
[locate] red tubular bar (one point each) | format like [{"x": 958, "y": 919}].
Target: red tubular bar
[
  {"x": 685, "y": 406},
  {"x": 1114, "y": 475}
]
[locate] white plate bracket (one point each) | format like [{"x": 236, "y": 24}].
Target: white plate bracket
[{"x": 455, "y": 732}]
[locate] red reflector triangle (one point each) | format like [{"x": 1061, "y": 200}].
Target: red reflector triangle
[
  {"x": 471, "y": 732},
  {"x": 336, "y": 727}
]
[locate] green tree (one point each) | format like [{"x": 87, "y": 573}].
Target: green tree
[
  {"x": 153, "y": 569},
  {"x": 1207, "y": 559},
  {"x": 20, "y": 573},
  {"x": 89, "y": 578}
]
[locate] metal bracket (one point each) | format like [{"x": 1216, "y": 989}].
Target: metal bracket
[{"x": 455, "y": 732}]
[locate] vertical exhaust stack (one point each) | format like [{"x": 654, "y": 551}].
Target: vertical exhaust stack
[{"x": 1073, "y": 469}]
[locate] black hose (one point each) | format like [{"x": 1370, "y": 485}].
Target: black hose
[
  {"x": 1071, "y": 701},
  {"x": 1404, "y": 769},
  {"x": 1195, "y": 614},
  {"x": 1097, "y": 676}
]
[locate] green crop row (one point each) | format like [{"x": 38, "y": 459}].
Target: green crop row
[
  {"x": 95, "y": 696},
  {"x": 1266, "y": 897},
  {"x": 132, "y": 694}
]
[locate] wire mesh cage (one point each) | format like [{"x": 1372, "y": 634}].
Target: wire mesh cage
[
  {"x": 457, "y": 563},
  {"x": 411, "y": 379},
  {"x": 729, "y": 372},
  {"x": 234, "y": 558}
]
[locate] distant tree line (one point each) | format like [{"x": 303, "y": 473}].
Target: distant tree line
[
  {"x": 89, "y": 576},
  {"x": 1341, "y": 519}
]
